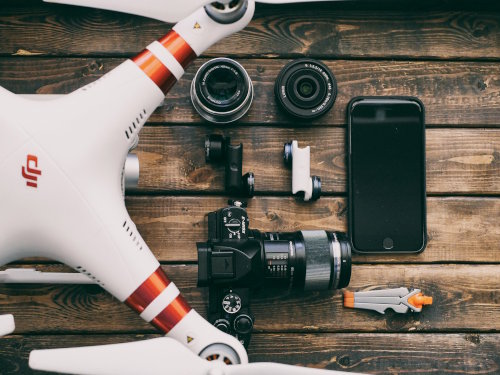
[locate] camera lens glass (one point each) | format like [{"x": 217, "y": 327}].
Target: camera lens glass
[
  {"x": 222, "y": 91},
  {"x": 222, "y": 86},
  {"x": 306, "y": 89},
  {"x": 310, "y": 260}
]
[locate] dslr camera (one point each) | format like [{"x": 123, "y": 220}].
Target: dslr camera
[{"x": 237, "y": 259}]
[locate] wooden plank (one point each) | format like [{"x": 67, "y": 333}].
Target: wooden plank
[
  {"x": 326, "y": 30},
  {"x": 466, "y": 299},
  {"x": 367, "y": 353},
  {"x": 462, "y": 161},
  {"x": 460, "y": 229},
  {"x": 454, "y": 93}
]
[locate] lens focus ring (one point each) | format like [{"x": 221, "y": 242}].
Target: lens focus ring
[{"x": 318, "y": 263}]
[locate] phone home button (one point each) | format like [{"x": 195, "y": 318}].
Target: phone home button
[{"x": 388, "y": 243}]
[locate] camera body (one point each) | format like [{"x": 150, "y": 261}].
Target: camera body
[
  {"x": 237, "y": 259},
  {"x": 229, "y": 263}
]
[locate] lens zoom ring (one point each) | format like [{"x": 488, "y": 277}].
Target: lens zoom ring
[{"x": 318, "y": 264}]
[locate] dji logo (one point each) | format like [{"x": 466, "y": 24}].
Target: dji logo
[{"x": 30, "y": 171}]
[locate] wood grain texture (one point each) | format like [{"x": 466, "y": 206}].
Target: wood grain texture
[
  {"x": 322, "y": 30},
  {"x": 465, "y": 161},
  {"x": 460, "y": 229},
  {"x": 446, "y": 53},
  {"x": 454, "y": 93},
  {"x": 466, "y": 298},
  {"x": 368, "y": 353}
]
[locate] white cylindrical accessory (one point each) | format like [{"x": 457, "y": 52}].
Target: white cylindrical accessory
[{"x": 7, "y": 325}]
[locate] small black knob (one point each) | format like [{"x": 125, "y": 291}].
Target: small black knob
[
  {"x": 316, "y": 188},
  {"x": 223, "y": 325},
  {"x": 287, "y": 154},
  {"x": 243, "y": 324}
]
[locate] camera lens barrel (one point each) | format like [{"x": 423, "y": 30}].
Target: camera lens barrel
[
  {"x": 306, "y": 89},
  {"x": 310, "y": 260},
  {"x": 222, "y": 91}
]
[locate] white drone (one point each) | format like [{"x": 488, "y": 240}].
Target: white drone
[{"x": 61, "y": 195}]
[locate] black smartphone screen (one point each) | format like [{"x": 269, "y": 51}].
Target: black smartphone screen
[{"x": 387, "y": 175}]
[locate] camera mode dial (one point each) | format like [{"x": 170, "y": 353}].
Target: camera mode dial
[
  {"x": 235, "y": 223},
  {"x": 231, "y": 303}
]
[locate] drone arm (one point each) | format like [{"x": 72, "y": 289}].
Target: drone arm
[
  {"x": 165, "y": 60},
  {"x": 132, "y": 91},
  {"x": 159, "y": 302},
  {"x": 201, "y": 31}
]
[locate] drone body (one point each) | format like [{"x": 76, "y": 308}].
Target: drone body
[{"x": 61, "y": 189}]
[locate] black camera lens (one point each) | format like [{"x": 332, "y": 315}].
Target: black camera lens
[
  {"x": 306, "y": 89},
  {"x": 239, "y": 257},
  {"x": 310, "y": 260},
  {"x": 221, "y": 91}
]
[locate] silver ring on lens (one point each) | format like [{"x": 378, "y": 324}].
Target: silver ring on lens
[
  {"x": 221, "y": 91},
  {"x": 318, "y": 263},
  {"x": 336, "y": 256}
]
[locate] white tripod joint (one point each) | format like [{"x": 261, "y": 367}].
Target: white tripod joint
[
  {"x": 401, "y": 300},
  {"x": 302, "y": 182}
]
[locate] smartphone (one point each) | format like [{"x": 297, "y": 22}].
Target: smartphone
[{"x": 386, "y": 157}]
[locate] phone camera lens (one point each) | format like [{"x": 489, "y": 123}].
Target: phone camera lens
[
  {"x": 222, "y": 91},
  {"x": 306, "y": 89}
]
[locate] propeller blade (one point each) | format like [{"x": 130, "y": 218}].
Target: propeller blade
[
  {"x": 278, "y": 369},
  {"x": 291, "y": 1},
  {"x": 170, "y": 11},
  {"x": 149, "y": 357},
  {"x": 7, "y": 325}
]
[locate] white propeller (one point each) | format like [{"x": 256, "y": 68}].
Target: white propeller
[
  {"x": 170, "y": 11},
  {"x": 150, "y": 357},
  {"x": 7, "y": 325},
  {"x": 291, "y": 1}
]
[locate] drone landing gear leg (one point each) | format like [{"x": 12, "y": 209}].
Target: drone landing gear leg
[{"x": 159, "y": 302}]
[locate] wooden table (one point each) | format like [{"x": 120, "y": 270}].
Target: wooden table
[{"x": 447, "y": 55}]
